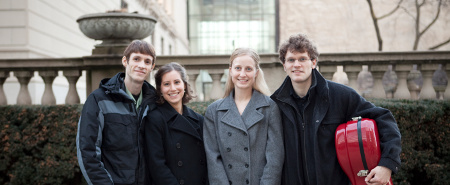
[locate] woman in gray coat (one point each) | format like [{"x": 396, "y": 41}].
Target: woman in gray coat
[{"x": 242, "y": 132}]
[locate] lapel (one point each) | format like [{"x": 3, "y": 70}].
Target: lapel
[
  {"x": 285, "y": 97},
  {"x": 180, "y": 123},
  {"x": 249, "y": 117}
]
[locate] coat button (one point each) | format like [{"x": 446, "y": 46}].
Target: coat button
[
  {"x": 180, "y": 163},
  {"x": 230, "y": 182},
  {"x": 229, "y": 166},
  {"x": 245, "y": 149},
  {"x": 247, "y": 181},
  {"x": 181, "y": 181},
  {"x": 228, "y": 149},
  {"x": 178, "y": 145},
  {"x": 229, "y": 134},
  {"x": 245, "y": 134},
  {"x": 246, "y": 165}
]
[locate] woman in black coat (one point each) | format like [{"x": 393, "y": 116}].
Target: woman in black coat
[{"x": 174, "y": 148}]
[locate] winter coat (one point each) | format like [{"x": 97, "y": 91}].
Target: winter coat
[
  {"x": 109, "y": 138},
  {"x": 245, "y": 149},
  {"x": 174, "y": 147},
  {"x": 309, "y": 140}
]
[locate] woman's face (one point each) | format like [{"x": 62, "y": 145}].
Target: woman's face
[
  {"x": 172, "y": 88},
  {"x": 243, "y": 72}
]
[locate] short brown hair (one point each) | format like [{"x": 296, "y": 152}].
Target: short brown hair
[
  {"x": 298, "y": 43},
  {"x": 140, "y": 46},
  {"x": 173, "y": 66}
]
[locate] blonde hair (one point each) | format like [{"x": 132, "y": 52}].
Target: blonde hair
[{"x": 259, "y": 84}]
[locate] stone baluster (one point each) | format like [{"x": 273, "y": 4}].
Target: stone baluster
[
  {"x": 415, "y": 82},
  {"x": 427, "y": 89},
  {"x": 48, "y": 98},
  {"x": 193, "y": 74},
  {"x": 440, "y": 82},
  {"x": 328, "y": 71},
  {"x": 365, "y": 82},
  {"x": 447, "y": 90},
  {"x": 23, "y": 77},
  {"x": 3, "y": 76},
  {"x": 352, "y": 74},
  {"x": 216, "y": 89},
  {"x": 72, "y": 95},
  {"x": 378, "y": 72},
  {"x": 390, "y": 82},
  {"x": 402, "y": 88}
]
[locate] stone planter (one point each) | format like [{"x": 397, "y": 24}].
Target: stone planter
[{"x": 115, "y": 29}]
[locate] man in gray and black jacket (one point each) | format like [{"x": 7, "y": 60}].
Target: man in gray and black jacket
[{"x": 109, "y": 138}]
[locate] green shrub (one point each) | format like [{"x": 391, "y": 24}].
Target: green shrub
[{"x": 37, "y": 143}]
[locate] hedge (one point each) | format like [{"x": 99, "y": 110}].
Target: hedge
[{"x": 37, "y": 143}]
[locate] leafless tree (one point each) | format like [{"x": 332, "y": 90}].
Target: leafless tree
[{"x": 375, "y": 20}]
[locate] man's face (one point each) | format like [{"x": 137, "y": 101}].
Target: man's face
[
  {"x": 298, "y": 67},
  {"x": 138, "y": 67}
]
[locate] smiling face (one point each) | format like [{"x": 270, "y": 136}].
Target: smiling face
[
  {"x": 299, "y": 66},
  {"x": 138, "y": 67},
  {"x": 172, "y": 88},
  {"x": 243, "y": 72}
]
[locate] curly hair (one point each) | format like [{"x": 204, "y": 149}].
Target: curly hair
[
  {"x": 298, "y": 43},
  {"x": 173, "y": 66}
]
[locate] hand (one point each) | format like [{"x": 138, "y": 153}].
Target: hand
[{"x": 379, "y": 175}]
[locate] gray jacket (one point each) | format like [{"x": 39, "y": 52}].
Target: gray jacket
[{"x": 245, "y": 149}]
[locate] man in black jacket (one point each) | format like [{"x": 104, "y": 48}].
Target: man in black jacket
[
  {"x": 312, "y": 108},
  {"x": 109, "y": 138}
]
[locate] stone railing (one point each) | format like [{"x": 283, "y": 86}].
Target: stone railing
[{"x": 402, "y": 75}]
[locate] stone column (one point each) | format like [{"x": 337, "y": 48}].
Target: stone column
[
  {"x": 193, "y": 74},
  {"x": 72, "y": 95},
  {"x": 23, "y": 77},
  {"x": 216, "y": 89},
  {"x": 352, "y": 74},
  {"x": 402, "y": 88},
  {"x": 440, "y": 82},
  {"x": 3, "y": 76},
  {"x": 390, "y": 82},
  {"x": 415, "y": 82},
  {"x": 48, "y": 98},
  {"x": 378, "y": 72},
  {"x": 427, "y": 89}
]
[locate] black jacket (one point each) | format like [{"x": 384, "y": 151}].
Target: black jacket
[
  {"x": 310, "y": 154},
  {"x": 174, "y": 148},
  {"x": 109, "y": 138}
]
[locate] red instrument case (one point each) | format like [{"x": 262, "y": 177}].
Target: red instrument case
[{"x": 358, "y": 148}]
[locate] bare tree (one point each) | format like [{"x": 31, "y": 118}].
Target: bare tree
[
  {"x": 375, "y": 21},
  {"x": 419, "y": 33}
]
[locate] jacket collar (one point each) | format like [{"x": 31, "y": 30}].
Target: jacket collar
[
  {"x": 187, "y": 123},
  {"x": 319, "y": 89},
  {"x": 251, "y": 113},
  {"x": 115, "y": 85}
]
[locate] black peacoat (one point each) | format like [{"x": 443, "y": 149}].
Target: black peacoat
[
  {"x": 310, "y": 154},
  {"x": 174, "y": 150}
]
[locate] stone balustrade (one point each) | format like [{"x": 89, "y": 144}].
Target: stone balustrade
[{"x": 401, "y": 75}]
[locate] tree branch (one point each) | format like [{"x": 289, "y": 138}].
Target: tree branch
[
  {"x": 439, "y": 45},
  {"x": 392, "y": 12},
  {"x": 434, "y": 20}
]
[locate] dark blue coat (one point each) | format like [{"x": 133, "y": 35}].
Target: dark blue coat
[
  {"x": 174, "y": 149},
  {"x": 310, "y": 154}
]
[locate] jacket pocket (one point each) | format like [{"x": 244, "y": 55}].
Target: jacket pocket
[{"x": 117, "y": 133}]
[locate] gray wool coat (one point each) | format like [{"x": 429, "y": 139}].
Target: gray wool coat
[{"x": 245, "y": 149}]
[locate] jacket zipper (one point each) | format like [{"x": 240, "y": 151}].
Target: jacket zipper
[{"x": 304, "y": 147}]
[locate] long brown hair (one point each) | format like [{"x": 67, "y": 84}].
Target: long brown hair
[{"x": 173, "y": 66}]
